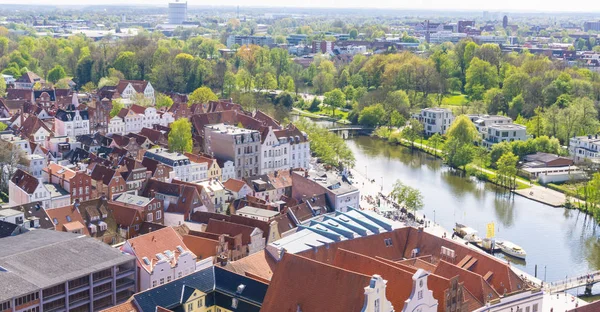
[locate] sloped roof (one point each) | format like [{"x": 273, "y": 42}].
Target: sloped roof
[
  {"x": 138, "y": 85},
  {"x": 200, "y": 246},
  {"x": 294, "y": 287},
  {"x": 25, "y": 181},
  {"x": 231, "y": 229},
  {"x": 32, "y": 124},
  {"x": 151, "y": 244},
  {"x": 67, "y": 219},
  {"x": 234, "y": 185},
  {"x": 257, "y": 264}
]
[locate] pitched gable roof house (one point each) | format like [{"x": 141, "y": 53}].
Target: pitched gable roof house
[
  {"x": 252, "y": 237},
  {"x": 161, "y": 256},
  {"x": 68, "y": 219}
]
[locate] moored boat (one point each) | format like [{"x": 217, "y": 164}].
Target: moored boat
[
  {"x": 467, "y": 233},
  {"x": 511, "y": 249}
]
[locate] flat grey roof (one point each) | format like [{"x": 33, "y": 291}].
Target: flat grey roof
[
  {"x": 257, "y": 212},
  {"x": 507, "y": 127},
  {"x": 43, "y": 258}
]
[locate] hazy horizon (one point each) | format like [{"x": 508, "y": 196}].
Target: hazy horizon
[{"x": 532, "y": 6}]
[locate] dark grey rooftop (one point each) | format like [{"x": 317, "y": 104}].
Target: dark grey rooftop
[{"x": 42, "y": 258}]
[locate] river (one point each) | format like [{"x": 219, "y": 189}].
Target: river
[{"x": 561, "y": 242}]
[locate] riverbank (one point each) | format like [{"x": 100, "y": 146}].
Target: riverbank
[{"x": 549, "y": 196}]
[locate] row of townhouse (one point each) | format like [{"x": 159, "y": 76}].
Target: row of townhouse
[{"x": 135, "y": 118}]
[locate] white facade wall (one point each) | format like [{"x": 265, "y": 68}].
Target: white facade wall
[
  {"x": 300, "y": 155},
  {"x": 228, "y": 171},
  {"x": 343, "y": 201},
  {"x": 18, "y": 196},
  {"x": 436, "y": 120},
  {"x": 116, "y": 125},
  {"x": 584, "y": 147},
  {"x": 72, "y": 128},
  {"x": 421, "y": 298},
  {"x": 257, "y": 242},
  {"x": 274, "y": 154}
]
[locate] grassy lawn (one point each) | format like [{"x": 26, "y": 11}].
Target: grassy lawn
[
  {"x": 455, "y": 100},
  {"x": 326, "y": 110}
]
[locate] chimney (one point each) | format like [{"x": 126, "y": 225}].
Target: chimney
[{"x": 67, "y": 140}]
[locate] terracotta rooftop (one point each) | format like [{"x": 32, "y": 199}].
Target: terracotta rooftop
[
  {"x": 234, "y": 185},
  {"x": 200, "y": 246},
  {"x": 157, "y": 242},
  {"x": 231, "y": 229},
  {"x": 67, "y": 219},
  {"x": 294, "y": 287}
]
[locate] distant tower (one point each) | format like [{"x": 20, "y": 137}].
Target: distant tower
[
  {"x": 505, "y": 22},
  {"x": 177, "y": 12},
  {"x": 123, "y": 18},
  {"x": 427, "y": 36}
]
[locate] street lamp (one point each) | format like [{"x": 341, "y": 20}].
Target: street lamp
[{"x": 382, "y": 184}]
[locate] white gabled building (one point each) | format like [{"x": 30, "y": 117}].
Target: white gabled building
[
  {"x": 284, "y": 149},
  {"x": 71, "y": 123},
  {"x": 183, "y": 169},
  {"x": 161, "y": 257},
  {"x": 116, "y": 125},
  {"x": 149, "y": 116},
  {"x": 129, "y": 88},
  {"x": 23, "y": 188}
]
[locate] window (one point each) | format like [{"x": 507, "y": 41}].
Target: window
[
  {"x": 234, "y": 303},
  {"x": 199, "y": 303},
  {"x": 149, "y": 217},
  {"x": 535, "y": 308},
  {"x": 153, "y": 283},
  {"x": 190, "y": 306},
  {"x": 168, "y": 279},
  {"x": 388, "y": 242},
  {"x": 420, "y": 295},
  {"x": 162, "y": 281},
  {"x": 179, "y": 274},
  {"x": 158, "y": 215}
]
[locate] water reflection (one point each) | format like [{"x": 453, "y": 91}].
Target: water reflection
[{"x": 565, "y": 241}]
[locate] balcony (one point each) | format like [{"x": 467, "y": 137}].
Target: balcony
[
  {"x": 102, "y": 291},
  {"x": 122, "y": 272},
  {"x": 125, "y": 283},
  {"x": 78, "y": 301},
  {"x": 102, "y": 303}
]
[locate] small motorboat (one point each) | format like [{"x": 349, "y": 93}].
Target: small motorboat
[
  {"x": 467, "y": 233},
  {"x": 511, "y": 249}
]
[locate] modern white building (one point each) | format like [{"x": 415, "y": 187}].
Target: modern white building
[
  {"x": 177, "y": 12},
  {"x": 71, "y": 123},
  {"x": 183, "y": 168},
  {"x": 242, "y": 146},
  {"x": 161, "y": 257},
  {"x": 504, "y": 132},
  {"x": 436, "y": 120},
  {"x": 482, "y": 122},
  {"x": 257, "y": 213},
  {"x": 36, "y": 164},
  {"x": 584, "y": 148}
]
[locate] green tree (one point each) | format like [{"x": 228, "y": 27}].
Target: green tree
[
  {"x": 202, "y": 95},
  {"x": 507, "y": 170},
  {"x": 463, "y": 130},
  {"x": 353, "y": 33},
  {"x": 117, "y": 105},
  {"x": 180, "y": 136},
  {"x": 2, "y": 86},
  {"x": 163, "y": 100},
  {"x": 495, "y": 101},
  {"x": 3, "y": 126},
  {"x": 498, "y": 150},
  {"x": 57, "y": 73},
  {"x": 335, "y": 99},
  {"x": 516, "y": 106},
  {"x": 436, "y": 140},
  {"x": 372, "y": 116},
  {"x": 407, "y": 196},
  {"x": 126, "y": 63},
  {"x": 397, "y": 120},
  {"x": 480, "y": 76},
  {"x": 413, "y": 131},
  {"x": 458, "y": 154}
]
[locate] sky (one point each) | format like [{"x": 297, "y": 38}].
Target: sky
[{"x": 436, "y": 5}]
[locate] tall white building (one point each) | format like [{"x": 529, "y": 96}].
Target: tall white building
[
  {"x": 436, "y": 120},
  {"x": 183, "y": 168},
  {"x": 177, "y": 12},
  {"x": 71, "y": 123}
]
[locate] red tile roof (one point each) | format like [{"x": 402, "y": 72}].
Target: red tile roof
[
  {"x": 156, "y": 242},
  {"x": 234, "y": 185},
  {"x": 67, "y": 219},
  {"x": 200, "y": 246},
  {"x": 294, "y": 287},
  {"x": 231, "y": 229}
]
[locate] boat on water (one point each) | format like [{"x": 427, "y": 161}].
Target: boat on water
[
  {"x": 467, "y": 233},
  {"x": 511, "y": 249}
]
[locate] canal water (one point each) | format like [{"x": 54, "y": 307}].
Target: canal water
[{"x": 561, "y": 242}]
